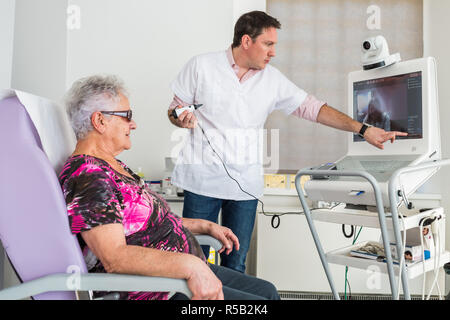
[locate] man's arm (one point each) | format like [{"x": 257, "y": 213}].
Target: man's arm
[{"x": 338, "y": 120}]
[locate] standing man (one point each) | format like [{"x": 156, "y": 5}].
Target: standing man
[{"x": 239, "y": 89}]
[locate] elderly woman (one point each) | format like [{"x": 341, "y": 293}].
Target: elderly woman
[{"x": 124, "y": 227}]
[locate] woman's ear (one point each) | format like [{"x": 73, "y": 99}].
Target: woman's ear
[{"x": 98, "y": 122}]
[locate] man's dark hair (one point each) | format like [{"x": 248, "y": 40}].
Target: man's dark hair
[{"x": 253, "y": 24}]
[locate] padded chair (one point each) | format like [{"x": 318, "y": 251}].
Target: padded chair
[{"x": 34, "y": 228}]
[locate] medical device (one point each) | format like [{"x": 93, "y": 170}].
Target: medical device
[
  {"x": 375, "y": 53},
  {"x": 177, "y": 111},
  {"x": 401, "y": 97}
]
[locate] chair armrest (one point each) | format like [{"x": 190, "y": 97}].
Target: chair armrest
[
  {"x": 103, "y": 281},
  {"x": 94, "y": 282},
  {"x": 206, "y": 240}
]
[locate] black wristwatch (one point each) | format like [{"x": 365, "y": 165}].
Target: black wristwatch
[{"x": 363, "y": 129}]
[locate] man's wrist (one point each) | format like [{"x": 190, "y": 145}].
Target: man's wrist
[{"x": 363, "y": 129}]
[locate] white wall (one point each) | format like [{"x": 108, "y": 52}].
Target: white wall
[
  {"x": 6, "y": 40},
  {"x": 436, "y": 44},
  {"x": 146, "y": 43},
  {"x": 39, "y": 58},
  {"x": 242, "y": 6}
]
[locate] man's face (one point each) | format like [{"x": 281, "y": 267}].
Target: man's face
[{"x": 263, "y": 49}]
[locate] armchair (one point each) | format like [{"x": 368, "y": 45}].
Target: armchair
[{"x": 34, "y": 228}]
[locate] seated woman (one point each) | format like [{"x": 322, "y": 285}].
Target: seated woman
[{"x": 124, "y": 227}]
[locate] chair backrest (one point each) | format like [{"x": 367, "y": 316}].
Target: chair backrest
[{"x": 34, "y": 227}]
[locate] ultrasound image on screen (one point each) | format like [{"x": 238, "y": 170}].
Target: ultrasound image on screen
[{"x": 391, "y": 103}]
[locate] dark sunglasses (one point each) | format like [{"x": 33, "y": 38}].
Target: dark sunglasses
[{"x": 126, "y": 114}]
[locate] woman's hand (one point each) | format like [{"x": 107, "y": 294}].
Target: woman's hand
[
  {"x": 202, "y": 282},
  {"x": 224, "y": 235}
]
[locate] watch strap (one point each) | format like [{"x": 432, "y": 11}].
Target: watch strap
[{"x": 363, "y": 130}]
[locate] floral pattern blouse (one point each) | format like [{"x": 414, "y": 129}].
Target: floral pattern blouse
[{"x": 96, "y": 195}]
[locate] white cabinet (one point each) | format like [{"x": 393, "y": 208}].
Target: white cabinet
[{"x": 176, "y": 206}]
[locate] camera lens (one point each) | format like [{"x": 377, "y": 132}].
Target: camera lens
[{"x": 366, "y": 45}]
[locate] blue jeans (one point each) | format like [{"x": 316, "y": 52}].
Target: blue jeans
[
  {"x": 238, "y": 286},
  {"x": 239, "y": 216}
]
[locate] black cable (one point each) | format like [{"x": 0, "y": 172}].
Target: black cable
[
  {"x": 226, "y": 170},
  {"x": 275, "y": 216},
  {"x": 351, "y": 232}
]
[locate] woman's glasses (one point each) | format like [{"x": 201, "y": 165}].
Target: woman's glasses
[{"x": 126, "y": 114}]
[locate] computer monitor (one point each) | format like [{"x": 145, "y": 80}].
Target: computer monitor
[
  {"x": 392, "y": 103},
  {"x": 405, "y": 95},
  {"x": 401, "y": 97}
]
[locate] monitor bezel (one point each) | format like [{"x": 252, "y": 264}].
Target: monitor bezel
[{"x": 404, "y": 146}]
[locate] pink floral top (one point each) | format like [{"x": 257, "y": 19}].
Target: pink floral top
[{"x": 96, "y": 194}]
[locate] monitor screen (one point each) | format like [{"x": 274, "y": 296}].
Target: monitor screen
[{"x": 392, "y": 103}]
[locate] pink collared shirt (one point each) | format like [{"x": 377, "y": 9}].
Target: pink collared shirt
[
  {"x": 250, "y": 73},
  {"x": 232, "y": 117},
  {"x": 308, "y": 110}
]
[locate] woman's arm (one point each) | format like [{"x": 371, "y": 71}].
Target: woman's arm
[
  {"x": 221, "y": 233},
  {"x": 108, "y": 243}
]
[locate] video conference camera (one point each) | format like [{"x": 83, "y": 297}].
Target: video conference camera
[{"x": 375, "y": 53}]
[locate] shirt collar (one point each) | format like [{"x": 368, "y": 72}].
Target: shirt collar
[
  {"x": 235, "y": 67},
  {"x": 230, "y": 57}
]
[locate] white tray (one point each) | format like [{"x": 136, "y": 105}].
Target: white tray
[
  {"x": 368, "y": 219},
  {"x": 342, "y": 257}
]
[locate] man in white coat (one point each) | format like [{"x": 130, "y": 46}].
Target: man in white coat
[{"x": 239, "y": 89}]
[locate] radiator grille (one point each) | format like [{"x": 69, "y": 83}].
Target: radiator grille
[{"x": 303, "y": 295}]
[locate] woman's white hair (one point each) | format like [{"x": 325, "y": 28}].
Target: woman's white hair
[{"x": 89, "y": 95}]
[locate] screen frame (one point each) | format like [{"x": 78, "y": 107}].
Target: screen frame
[{"x": 429, "y": 103}]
